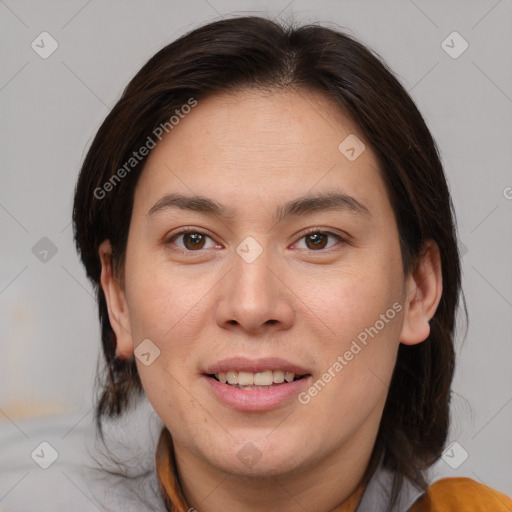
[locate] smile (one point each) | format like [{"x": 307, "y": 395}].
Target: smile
[
  {"x": 252, "y": 385},
  {"x": 259, "y": 380}
]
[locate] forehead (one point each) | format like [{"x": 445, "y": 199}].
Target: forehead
[{"x": 250, "y": 147}]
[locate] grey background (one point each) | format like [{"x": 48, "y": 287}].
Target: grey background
[{"x": 50, "y": 109}]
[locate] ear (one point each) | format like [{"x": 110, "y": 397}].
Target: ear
[
  {"x": 116, "y": 303},
  {"x": 424, "y": 287}
]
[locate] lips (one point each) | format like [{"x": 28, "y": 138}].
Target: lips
[
  {"x": 255, "y": 384},
  {"x": 242, "y": 364}
]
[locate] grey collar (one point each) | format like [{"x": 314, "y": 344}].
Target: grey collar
[{"x": 377, "y": 493}]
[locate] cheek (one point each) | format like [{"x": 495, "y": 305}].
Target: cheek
[
  {"x": 360, "y": 313},
  {"x": 350, "y": 300},
  {"x": 162, "y": 300},
  {"x": 165, "y": 309},
  {"x": 358, "y": 352}
]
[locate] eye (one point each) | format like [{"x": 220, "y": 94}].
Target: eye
[
  {"x": 193, "y": 240},
  {"x": 317, "y": 240}
]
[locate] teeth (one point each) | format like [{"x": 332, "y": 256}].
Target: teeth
[
  {"x": 278, "y": 376},
  {"x": 245, "y": 378},
  {"x": 232, "y": 377},
  {"x": 253, "y": 380},
  {"x": 264, "y": 378}
]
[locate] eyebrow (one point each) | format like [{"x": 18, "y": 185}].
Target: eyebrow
[{"x": 301, "y": 206}]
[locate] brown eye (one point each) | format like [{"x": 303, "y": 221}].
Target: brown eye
[
  {"x": 318, "y": 240},
  {"x": 196, "y": 240},
  {"x": 192, "y": 240}
]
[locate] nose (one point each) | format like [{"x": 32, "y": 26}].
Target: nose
[{"x": 255, "y": 296}]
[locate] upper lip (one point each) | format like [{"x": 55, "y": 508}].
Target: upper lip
[{"x": 245, "y": 364}]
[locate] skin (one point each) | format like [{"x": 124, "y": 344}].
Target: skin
[{"x": 254, "y": 151}]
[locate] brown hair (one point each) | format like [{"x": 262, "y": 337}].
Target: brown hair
[{"x": 259, "y": 53}]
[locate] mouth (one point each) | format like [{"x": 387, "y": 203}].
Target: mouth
[
  {"x": 266, "y": 379},
  {"x": 250, "y": 385}
]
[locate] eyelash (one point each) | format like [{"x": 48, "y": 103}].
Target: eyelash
[{"x": 169, "y": 241}]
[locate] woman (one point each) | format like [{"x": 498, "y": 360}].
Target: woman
[{"x": 268, "y": 226}]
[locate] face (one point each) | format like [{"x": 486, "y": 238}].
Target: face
[{"x": 290, "y": 271}]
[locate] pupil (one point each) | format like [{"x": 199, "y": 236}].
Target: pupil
[
  {"x": 195, "y": 237},
  {"x": 317, "y": 237}
]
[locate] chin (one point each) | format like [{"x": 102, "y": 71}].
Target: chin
[{"x": 257, "y": 456}]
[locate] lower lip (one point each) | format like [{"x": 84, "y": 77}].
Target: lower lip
[{"x": 256, "y": 399}]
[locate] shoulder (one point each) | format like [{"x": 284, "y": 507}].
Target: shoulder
[{"x": 459, "y": 494}]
